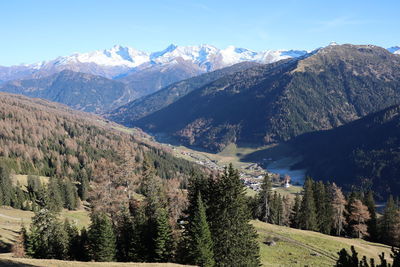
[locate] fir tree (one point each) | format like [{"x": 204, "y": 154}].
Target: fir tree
[
  {"x": 6, "y": 189},
  {"x": 47, "y": 238},
  {"x": 198, "y": 235},
  {"x": 265, "y": 199},
  {"x": 295, "y": 217},
  {"x": 54, "y": 199},
  {"x": 372, "y": 222},
  {"x": 308, "y": 216},
  {"x": 323, "y": 207},
  {"x": 101, "y": 238},
  {"x": 389, "y": 223},
  {"x": 163, "y": 239},
  {"x": 233, "y": 236}
]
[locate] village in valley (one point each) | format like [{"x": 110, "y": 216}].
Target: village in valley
[{"x": 251, "y": 173}]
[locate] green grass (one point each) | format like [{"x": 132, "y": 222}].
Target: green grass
[
  {"x": 7, "y": 260},
  {"x": 12, "y": 219},
  {"x": 299, "y": 248}
]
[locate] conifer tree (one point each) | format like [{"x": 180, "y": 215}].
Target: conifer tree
[
  {"x": 265, "y": 199},
  {"x": 323, "y": 207},
  {"x": 295, "y": 218},
  {"x": 53, "y": 200},
  {"x": 233, "y": 236},
  {"x": 372, "y": 222},
  {"x": 287, "y": 210},
  {"x": 101, "y": 238},
  {"x": 47, "y": 238},
  {"x": 6, "y": 189},
  {"x": 338, "y": 209},
  {"x": 163, "y": 239},
  {"x": 308, "y": 215},
  {"x": 198, "y": 236},
  {"x": 125, "y": 237},
  {"x": 389, "y": 223},
  {"x": 359, "y": 214}
]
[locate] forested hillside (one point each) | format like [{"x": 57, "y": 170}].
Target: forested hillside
[
  {"x": 364, "y": 153},
  {"x": 76, "y": 151},
  {"x": 128, "y": 114},
  {"x": 272, "y": 103}
]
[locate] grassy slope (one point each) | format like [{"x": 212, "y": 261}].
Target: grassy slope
[
  {"x": 299, "y": 248},
  {"x": 6, "y": 260},
  {"x": 293, "y": 247},
  {"x": 11, "y": 220}
]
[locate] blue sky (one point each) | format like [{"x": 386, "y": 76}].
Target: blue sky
[{"x": 35, "y": 30}]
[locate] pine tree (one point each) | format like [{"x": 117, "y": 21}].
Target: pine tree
[
  {"x": 338, "y": 209},
  {"x": 233, "y": 236},
  {"x": 70, "y": 195},
  {"x": 372, "y": 222},
  {"x": 389, "y": 223},
  {"x": 163, "y": 239},
  {"x": 295, "y": 218},
  {"x": 308, "y": 215},
  {"x": 265, "y": 199},
  {"x": 198, "y": 236},
  {"x": 53, "y": 200},
  {"x": 323, "y": 207},
  {"x": 47, "y": 238},
  {"x": 287, "y": 210},
  {"x": 6, "y": 189},
  {"x": 101, "y": 238},
  {"x": 345, "y": 260},
  {"x": 125, "y": 237}
]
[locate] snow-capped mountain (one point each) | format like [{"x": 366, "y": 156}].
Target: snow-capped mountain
[{"x": 120, "y": 61}]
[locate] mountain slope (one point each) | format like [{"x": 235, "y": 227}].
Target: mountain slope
[
  {"x": 78, "y": 90},
  {"x": 275, "y": 102},
  {"x": 139, "y": 108},
  {"x": 365, "y": 152}
]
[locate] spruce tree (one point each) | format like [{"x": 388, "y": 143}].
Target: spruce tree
[
  {"x": 372, "y": 222},
  {"x": 295, "y": 216},
  {"x": 233, "y": 236},
  {"x": 198, "y": 236},
  {"x": 265, "y": 197},
  {"x": 308, "y": 215},
  {"x": 323, "y": 208},
  {"x": 54, "y": 200},
  {"x": 163, "y": 239},
  {"x": 101, "y": 238},
  {"x": 389, "y": 223},
  {"x": 47, "y": 238},
  {"x": 6, "y": 189}
]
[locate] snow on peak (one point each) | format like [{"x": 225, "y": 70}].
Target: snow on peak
[{"x": 207, "y": 57}]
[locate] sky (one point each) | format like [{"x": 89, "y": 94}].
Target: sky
[{"x": 36, "y": 30}]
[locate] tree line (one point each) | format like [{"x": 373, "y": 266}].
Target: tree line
[
  {"x": 323, "y": 207},
  {"x": 214, "y": 229}
]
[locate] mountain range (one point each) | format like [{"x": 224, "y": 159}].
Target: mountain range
[
  {"x": 122, "y": 61},
  {"x": 276, "y": 102},
  {"x": 113, "y": 77}
]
